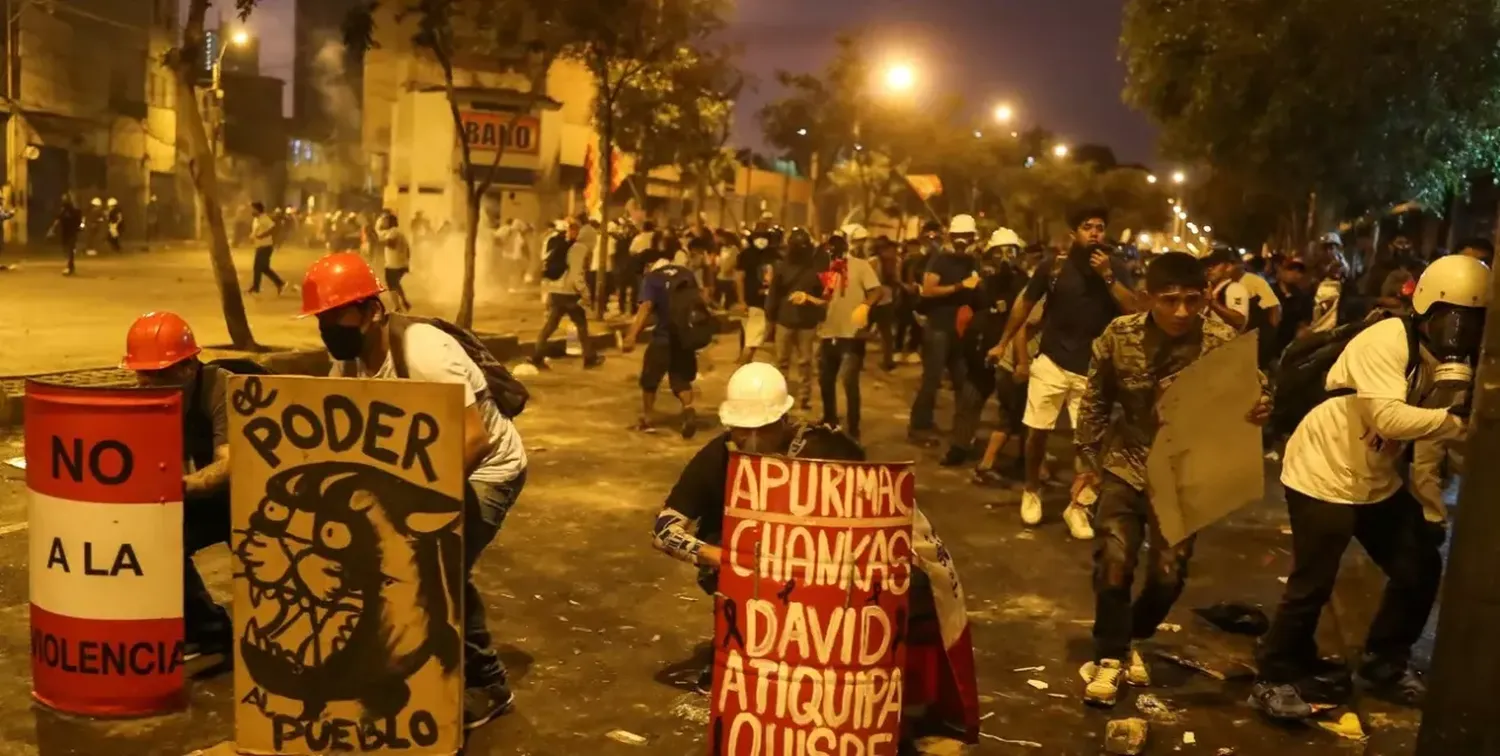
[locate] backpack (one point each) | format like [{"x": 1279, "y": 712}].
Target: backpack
[
  {"x": 509, "y": 395},
  {"x": 688, "y": 318},
  {"x": 1302, "y": 374},
  {"x": 555, "y": 265},
  {"x": 241, "y": 367}
]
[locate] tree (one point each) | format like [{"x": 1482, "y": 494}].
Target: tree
[
  {"x": 1344, "y": 98},
  {"x": 186, "y": 63},
  {"x": 448, "y": 31},
  {"x": 623, "y": 41}
]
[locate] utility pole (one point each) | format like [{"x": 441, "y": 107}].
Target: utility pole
[{"x": 1462, "y": 709}]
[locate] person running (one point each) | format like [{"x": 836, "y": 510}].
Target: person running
[
  {"x": 397, "y": 251},
  {"x": 1134, "y": 360},
  {"x": 666, "y": 356},
  {"x": 367, "y": 341},
  {"x": 1343, "y": 480},
  {"x": 851, "y": 287},
  {"x": 262, "y": 235},
  {"x": 563, "y": 286},
  {"x": 752, "y": 282},
  {"x": 1001, "y": 281},
  {"x": 1085, "y": 288},
  {"x": 66, "y": 227}
]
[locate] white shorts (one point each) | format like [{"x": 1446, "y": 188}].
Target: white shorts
[
  {"x": 1049, "y": 389},
  {"x": 755, "y": 327}
]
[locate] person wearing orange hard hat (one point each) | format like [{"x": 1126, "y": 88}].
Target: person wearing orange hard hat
[
  {"x": 367, "y": 341},
  {"x": 162, "y": 351}
]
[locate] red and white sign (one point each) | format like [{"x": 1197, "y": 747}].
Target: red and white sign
[
  {"x": 810, "y": 637},
  {"x": 515, "y": 134},
  {"x": 104, "y": 468}
]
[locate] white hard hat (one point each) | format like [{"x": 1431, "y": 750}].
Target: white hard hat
[
  {"x": 1005, "y": 237},
  {"x": 1456, "y": 280},
  {"x": 96, "y": 202},
  {"x": 756, "y": 398},
  {"x": 963, "y": 224},
  {"x": 113, "y": 202},
  {"x": 856, "y": 232},
  {"x": 1332, "y": 237}
]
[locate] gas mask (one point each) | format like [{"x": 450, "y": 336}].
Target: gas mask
[
  {"x": 761, "y": 242},
  {"x": 1453, "y": 335}
]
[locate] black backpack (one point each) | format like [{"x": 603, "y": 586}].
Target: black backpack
[
  {"x": 1302, "y": 374},
  {"x": 555, "y": 265},
  {"x": 689, "y": 320},
  {"x": 240, "y": 366},
  {"x": 509, "y": 394}
]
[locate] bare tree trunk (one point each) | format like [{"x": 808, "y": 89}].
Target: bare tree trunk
[
  {"x": 206, "y": 181},
  {"x": 465, "y": 317},
  {"x": 606, "y": 188}
]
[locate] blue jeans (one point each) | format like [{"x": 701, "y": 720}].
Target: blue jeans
[
  {"x": 940, "y": 353},
  {"x": 485, "y": 508}
]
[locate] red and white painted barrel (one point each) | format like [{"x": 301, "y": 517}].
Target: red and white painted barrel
[{"x": 104, "y": 469}]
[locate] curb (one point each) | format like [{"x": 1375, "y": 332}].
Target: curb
[{"x": 507, "y": 348}]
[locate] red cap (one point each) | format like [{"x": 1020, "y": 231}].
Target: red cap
[
  {"x": 336, "y": 280},
  {"x": 158, "y": 340}
]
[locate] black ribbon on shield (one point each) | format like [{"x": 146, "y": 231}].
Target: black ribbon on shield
[{"x": 732, "y": 618}]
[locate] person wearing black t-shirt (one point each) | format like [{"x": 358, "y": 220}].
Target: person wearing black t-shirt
[
  {"x": 1085, "y": 290},
  {"x": 947, "y": 287},
  {"x": 752, "y": 280},
  {"x": 795, "y": 307}
]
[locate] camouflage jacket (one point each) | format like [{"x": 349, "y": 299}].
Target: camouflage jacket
[{"x": 1133, "y": 363}]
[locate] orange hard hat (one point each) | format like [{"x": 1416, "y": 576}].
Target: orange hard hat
[
  {"x": 336, "y": 280},
  {"x": 158, "y": 340}
]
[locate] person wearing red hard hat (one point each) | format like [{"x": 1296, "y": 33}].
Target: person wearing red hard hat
[
  {"x": 162, "y": 351},
  {"x": 367, "y": 341}
]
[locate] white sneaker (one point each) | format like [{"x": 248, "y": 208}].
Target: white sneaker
[
  {"x": 1104, "y": 687},
  {"x": 1077, "y": 519},
  {"x": 1031, "y": 507},
  {"x": 1137, "y": 673}
]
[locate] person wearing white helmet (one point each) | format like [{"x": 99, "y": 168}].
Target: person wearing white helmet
[
  {"x": 689, "y": 528},
  {"x": 752, "y": 284},
  {"x": 947, "y": 291},
  {"x": 1343, "y": 480},
  {"x": 851, "y": 286},
  {"x": 114, "y": 223},
  {"x": 1001, "y": 281},
  {"x": 859, "y": 240},
  {"x": 1085, "y": 290}
]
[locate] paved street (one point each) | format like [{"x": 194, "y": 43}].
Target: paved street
[
  {"x": 603, "y": 633},
  {"x": 51, "y": 323}
]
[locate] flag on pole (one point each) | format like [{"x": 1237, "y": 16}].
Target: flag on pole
[{"x": 925, "y": 186}]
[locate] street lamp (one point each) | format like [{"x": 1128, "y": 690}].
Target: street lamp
[
  {"x": 801, "y": 132},
  {"x": 978, "y": 134},
  {"x": 1151, "y": 179},
  {"x": 1060, "y": 151},
  {"x": 1179, "y": 177},
  {"x": 238, "y": 39},
  {"x": 1208, "y": 229},
  {"x": 900, "y": 77},
  {"x": 1003, "y": 113}
]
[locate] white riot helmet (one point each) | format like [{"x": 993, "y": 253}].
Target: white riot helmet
[
  {"x": 963, "y": 224},
  {"x": 1456, "y": 280},
  {"x": 112, "y": 202},
  {"x": 856, "y": 233},
  {"x": 757, "y": 397},
  {"x": 1005, "y": 237},
  {"x": 1332, "y": 237}
]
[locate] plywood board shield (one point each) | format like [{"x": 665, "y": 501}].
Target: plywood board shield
[{"x": 348, "y": 564}]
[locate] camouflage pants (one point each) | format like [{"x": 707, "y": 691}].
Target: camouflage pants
[{"x": 1124, "y": 522}]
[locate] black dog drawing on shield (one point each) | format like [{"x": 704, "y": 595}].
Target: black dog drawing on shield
[{"x": 355, "y": 580}]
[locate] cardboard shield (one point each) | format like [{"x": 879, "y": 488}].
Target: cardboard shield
[
  {"x": 810, "y": 635},
  {"x": 348, "y": 564}
]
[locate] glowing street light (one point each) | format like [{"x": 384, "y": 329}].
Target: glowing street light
[
  {"x": 900, "y": 77},
  {"x": 1179, "y": 177},
  {"x": 1003, "y": 113},
  {"x": 240, "y": 38},
  {"x": 1208, "y": 229},
  {"x": 801, "y": 132},
  {"x": 978, "y": 134},
  {"x": 1143, "y": 240},
  {"x": 1060, "y": 151},
  {"x": 1151, "y": 179}
]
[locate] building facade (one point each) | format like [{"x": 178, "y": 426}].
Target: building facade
[{"x": 328, "y": 168}]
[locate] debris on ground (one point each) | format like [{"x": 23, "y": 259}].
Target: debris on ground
[
  {"x": 987, "y": 716},
  {"x": 17, "y": 462},
  {"x": 1188, "y": 738},
  {"x": 1169, "y": 627},
  {"x": 1125, "y": 737},
  {"x": 1155, "y": 709},
  {"x": 1058, "y": 695},
  {"x": 1229, "y": 670},
  {"x": 1235, "y": 617},
  {"x": 1226, "y": 751},
  {"x": 525, "y": 370},
  {"x": 1008, "y": 741},
  {"x": 690, "y": 708},
  {"x": 1029, "y": 669},
  {"x": 626, "y": 737},
  {"x": 1038, "y": 684},
  {"x": 1347, "y": 726}
]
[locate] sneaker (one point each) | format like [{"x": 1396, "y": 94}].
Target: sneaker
[
  {"x": 1279, "y": 701},
  {"x": 1136, "y": 672},
  {"x": 955, "y": 457},
  {"x": 1077, "y": 519},
  {"x": 485, "y": 702},
  {"x": 1104, "y": 687},
  {"x": 689, "y": 423},
  {"x": 1031, "y": 508},
  {"x": 1398, "y": 684},
  {"x": 593, "y": 362}
]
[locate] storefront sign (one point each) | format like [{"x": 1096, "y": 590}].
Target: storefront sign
[
  {"x": 487, "y": 132},
  {"x": 811, "y": 614}
]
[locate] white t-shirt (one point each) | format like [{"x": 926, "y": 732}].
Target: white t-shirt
[
  {"x": 1235, "y": 298},
  {"x": 434, "y": 356},
  {"x": 1326, "y": 305},
  {"x": 1256, "y": 286},
  {"x": 1336, "y": 454}
]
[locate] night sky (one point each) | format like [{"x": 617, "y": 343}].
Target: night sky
[{"x": 1055, "y": 60}]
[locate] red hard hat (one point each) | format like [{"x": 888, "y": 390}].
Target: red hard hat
[
  {"x": 336, "y": 280},
  {"x": 158, "y": 340}
]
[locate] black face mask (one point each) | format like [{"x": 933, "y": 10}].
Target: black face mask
[
  {"x": 343, "y": 342},
  {"x": 1454, "y": 334}
]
